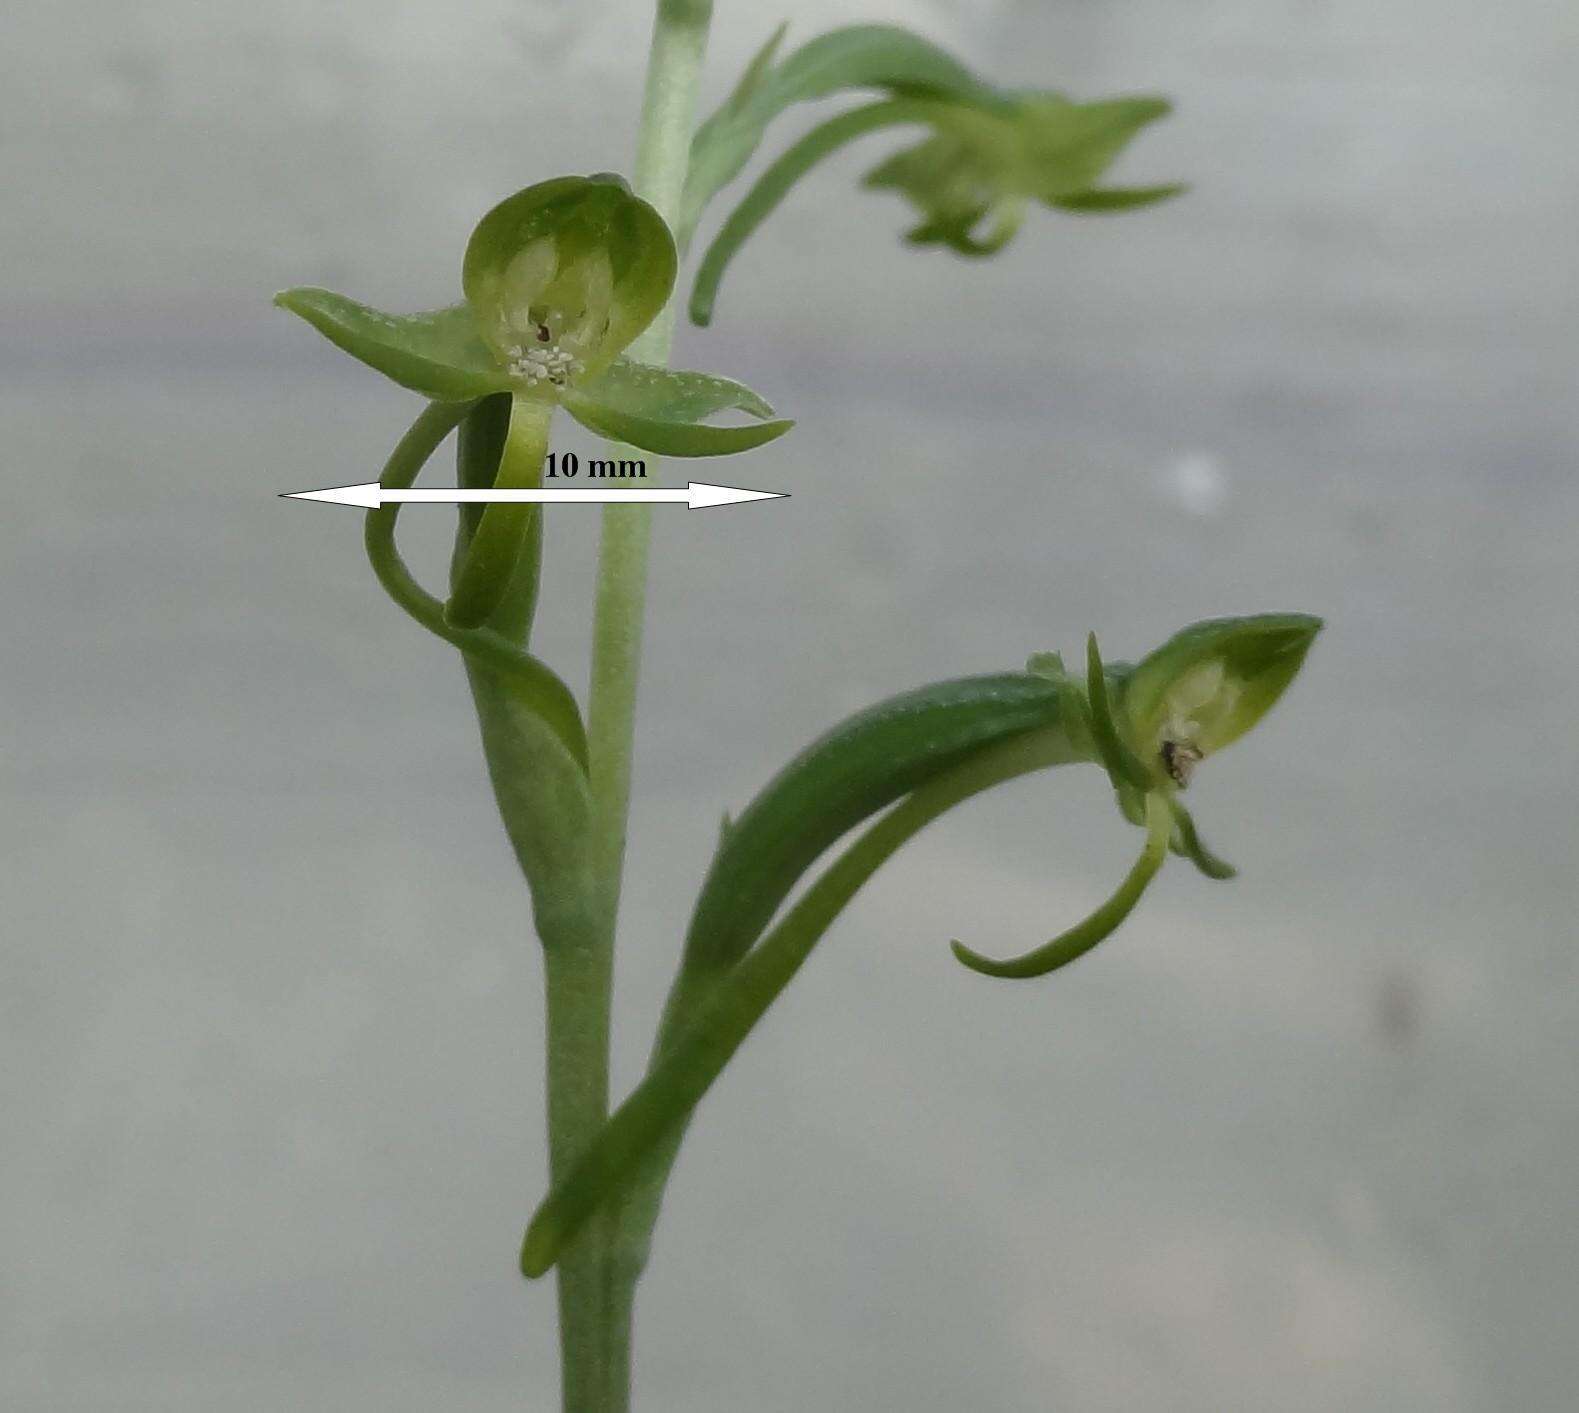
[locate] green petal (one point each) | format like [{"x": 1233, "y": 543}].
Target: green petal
[
  {"x": 954, "y": 182},
  {"x": 960, "y": 234},
  {"x": 1100, "y": 925},
  {"x": 660, "y": 410},
  {"x": 584, "y": 247},
  {"x": 1187, "y": 843},
  {"x": 437, "y": 354}
]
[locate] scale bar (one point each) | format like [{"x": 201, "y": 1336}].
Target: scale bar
[{"x": 698, "y": 495}]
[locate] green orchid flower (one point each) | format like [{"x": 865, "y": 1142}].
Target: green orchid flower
[
  {"x": 1150, "y": 725},
  {"x": 558, "y": 280}
]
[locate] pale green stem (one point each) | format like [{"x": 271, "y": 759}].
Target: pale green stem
[
  {"x": 662, "y": 154},
  {"x": 579, "y": 1017}
]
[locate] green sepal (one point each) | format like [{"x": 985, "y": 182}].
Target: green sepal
[
  {"x": 581, "y": 249},
  {"x": 1220, "y": 677},
  {"x": 669, "y": 394},
  {"x": 660, "y": 410},
  {"x": 1065, "y": 147},
  {"x": 437, "y": 353},
  {"x": 858, "y": 57}
]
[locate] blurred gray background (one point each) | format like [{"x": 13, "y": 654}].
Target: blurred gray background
[{"x": 269, "y": 1054}]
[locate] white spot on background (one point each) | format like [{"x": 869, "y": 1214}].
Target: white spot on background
[{"x": 1197, "y": 483}]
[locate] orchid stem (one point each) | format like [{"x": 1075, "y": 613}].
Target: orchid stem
[{"x": 596, "y": 1335}]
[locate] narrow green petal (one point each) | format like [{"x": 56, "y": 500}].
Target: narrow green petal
[
  {"x": 1187, "y": 843},
  {"x": 1081, "y": 938},
  {"x": 437, "y": 353}
]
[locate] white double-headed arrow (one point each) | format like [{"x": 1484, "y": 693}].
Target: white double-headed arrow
[{"x": 697, "y": 496}]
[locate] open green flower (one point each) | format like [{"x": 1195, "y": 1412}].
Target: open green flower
[{"x": 558, "y": 279}]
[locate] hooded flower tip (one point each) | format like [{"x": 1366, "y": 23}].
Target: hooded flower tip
[
  {"x": 1210, "y": 684},
  {"x": 563, "y": 275}
]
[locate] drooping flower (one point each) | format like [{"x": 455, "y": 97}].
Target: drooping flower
[
  {"x": 1150, "y": 725},
  {"x": 986, "y": 165}
]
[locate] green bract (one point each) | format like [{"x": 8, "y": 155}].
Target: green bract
[
  {"x": 990, "y": 151},
  {"x": 559, "y": 279}
]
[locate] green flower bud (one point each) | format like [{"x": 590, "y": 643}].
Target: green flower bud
[
  {"x": 562, "y": 276},
  {"x": 1208, "y": 685}
]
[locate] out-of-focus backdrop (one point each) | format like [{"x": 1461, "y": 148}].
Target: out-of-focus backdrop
[{"x": 269, "y": 1055}]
